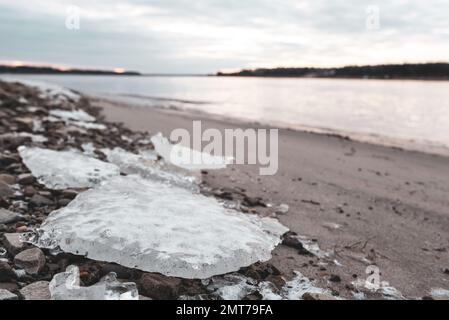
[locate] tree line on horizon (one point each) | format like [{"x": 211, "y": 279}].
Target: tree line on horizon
[
  {"x": 390, "y": 71},
  {"x": 51, "y": 70}
]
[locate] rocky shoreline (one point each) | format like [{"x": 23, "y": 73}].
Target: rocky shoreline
[{"x": 26, "y": 271}]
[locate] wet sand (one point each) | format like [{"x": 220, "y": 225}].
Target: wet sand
[{"x": 366, "y": 203}]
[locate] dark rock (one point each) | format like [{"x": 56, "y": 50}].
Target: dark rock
[
  {"x": 7, "y": 216},
  {"x": 63, "y": 202},
  {"x": 159, "y": 287},
  {"x": 29, "y": 191},
  {"x": 317, "y": 296},
  {"x": 26, "y": 178},
  {"x": 290, "y": 240},
  {"x": 335, "y": 278},
  {"x": 70, "y": 193},
  {"x": 32, "y": 260},
  {"x": 6, "y": 272},
  {"x": 39, "y": 200},
  {"x": 36, "y": 291},
  {"x": 6, "y": 160},
  {"x": 253, "y": 202},
  {"x": 10, "y": 286}
]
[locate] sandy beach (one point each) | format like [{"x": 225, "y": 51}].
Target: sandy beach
[{"x": 364, "y": 204}]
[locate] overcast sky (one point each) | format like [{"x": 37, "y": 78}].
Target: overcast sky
[{"x": 203, "y": 36}]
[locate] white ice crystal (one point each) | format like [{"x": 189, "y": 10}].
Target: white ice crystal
[
  {"x": 38, "y": 138},
  {"x": 66, "y": 286},
  {"x": 145, "y": 165},
  {"x": 155, "y": 227},
  {"x": 66, "y": 169},
  {"x": 295, "y": 288},
  {"x": 76, "y": 115},
  {"x": 187, "y": 158}
]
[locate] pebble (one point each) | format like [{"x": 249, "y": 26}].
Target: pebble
[
  {"x": 12, "y": 243},
  {"x": 6, "y": 272},
  {"x": 8, "y": 179},
  {"x": 26, "y": 178},
  {"x": 36, "y": 291},
  {"x": 7, "y": 216},
  {"x": 7, "y": 295},
  {"x": 32, "y": 260},
  {"x": 317, "y": 296},
  {"x": 158, "y": 287},
  {"x": 39, "y": 200},
  {"x": 5, "y": 190}
]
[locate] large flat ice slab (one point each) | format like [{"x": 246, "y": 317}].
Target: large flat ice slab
[
  {"x": 66, "y": 169},
  {"x": 156, "y": 227}
]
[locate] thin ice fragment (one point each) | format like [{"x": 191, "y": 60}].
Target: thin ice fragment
[
  {"x": 66, "y": 286},
  {"x": 295, "y": 289},
  {"x": 187, "y": 158},
  {"x": 156, "y": 227},
  {"x": 145, "y": 165},
  {"x": 75, "y": 115},
  {"x": 66, "y": 169}
]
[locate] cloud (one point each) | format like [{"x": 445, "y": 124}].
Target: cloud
[{"x": 208, "y": 35}]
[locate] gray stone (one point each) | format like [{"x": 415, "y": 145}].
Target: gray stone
[
  {"x": 36, "y": 291},
  {"x": 32, "y": 260},
  {"x": 5, "y": 190},
  {"x": 7, "y": 178},
  {"x": 39, "y": 200},
  {"x": 7, "y": 216},
  {"x": 6, "y": 295},
  {"x": 12, "y": 243}
]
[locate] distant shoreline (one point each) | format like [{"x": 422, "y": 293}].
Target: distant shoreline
[{"x": 423, "y": 71}]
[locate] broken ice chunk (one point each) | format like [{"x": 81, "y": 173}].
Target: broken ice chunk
[
  {"x": 66, "y": 286},
  {"x": 66, "y": 169},
  {"x": 187, "y": 158},
  {"x": 37, "y": 138},
  {"x": 145, "y": 165},
  {"x": 76, "y": 115},
  {"x": 156, "y": 227}
]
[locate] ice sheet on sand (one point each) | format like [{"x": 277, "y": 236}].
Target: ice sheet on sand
[
  {"x": 76, "y": 115},
  {"x": 187, "y": 158},
  {"x": 145, "y": 165},
  {"x": 156, "y": 227},
  {"x": 66, "y": 286},
  {"x": 66, "y": 169}
]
